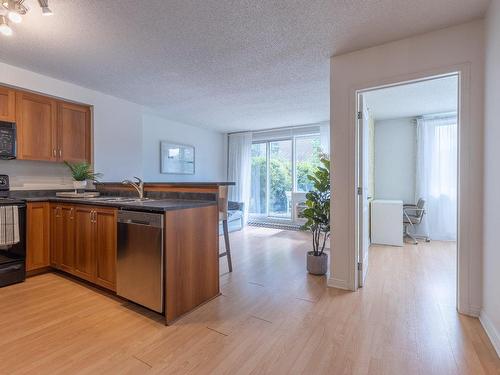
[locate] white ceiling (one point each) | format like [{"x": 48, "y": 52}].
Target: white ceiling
[
  {"x": 222, "y": 64},
  {"x": 414, "y": 99}
]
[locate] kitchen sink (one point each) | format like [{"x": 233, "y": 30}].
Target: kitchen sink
[{"x": 119, "y": 199}]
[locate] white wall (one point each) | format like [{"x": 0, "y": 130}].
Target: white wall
[
  {"x": 210, "y": 149},
  {"x": 117, "y": 131},
  {"x": 459, "y": 48},
  {"x": 117, "y": 123},
  {"x": 490, "y": 315},
  {"x": 395, "y": 168}
]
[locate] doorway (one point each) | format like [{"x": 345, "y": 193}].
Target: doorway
[{"x": 407, "y": 170}]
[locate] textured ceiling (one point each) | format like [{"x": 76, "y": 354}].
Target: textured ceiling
[
  {"x": 415, "y": 99},
  {"x": 220, "y": 64}
]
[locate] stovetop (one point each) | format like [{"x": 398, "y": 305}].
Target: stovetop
[{"x": 5, "y": 201}]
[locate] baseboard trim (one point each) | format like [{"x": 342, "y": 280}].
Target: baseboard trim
[
  {"x": 490, "y": 331},
  {"x": 337, "y": 283},
  {"x": 473, "y": 311}
]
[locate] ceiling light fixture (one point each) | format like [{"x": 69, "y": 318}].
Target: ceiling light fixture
[
  {"x": 4, "y": 26},
  {"x": 44, "y": 4},
  {"x": 15, "y": 17},
  {"x": 13, "y": 10}
]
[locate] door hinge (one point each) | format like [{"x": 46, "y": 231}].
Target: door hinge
[
  {"x": 360, "y": 115},
  {"x": 360, "y": 266},
  {"x": 360, "y": 191}
]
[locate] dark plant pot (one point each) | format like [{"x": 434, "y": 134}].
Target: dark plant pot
[{"x": 317, "y": 265}]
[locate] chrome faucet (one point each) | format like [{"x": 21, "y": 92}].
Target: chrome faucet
[{"x": 139, "y": 186}]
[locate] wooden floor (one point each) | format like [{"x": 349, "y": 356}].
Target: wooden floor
[{"x": 272, "y": 318}]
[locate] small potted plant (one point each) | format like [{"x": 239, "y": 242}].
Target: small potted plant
[
  {"x": 317, "y": 214},
  {"x": 81, "y": 173}
]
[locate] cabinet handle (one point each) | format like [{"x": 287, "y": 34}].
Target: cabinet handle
[
  {"x": 54, "y": 152},
  {"x": 72, "y": 213},
  {"x": 60, "y": 153}
]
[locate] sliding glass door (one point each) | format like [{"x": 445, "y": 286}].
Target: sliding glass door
[
  {"x": 258, "y": 194},
  {"x": 272, "y": 179},
  {"x": 280, "y": 179},
  {"x": 279, "y": 175}
]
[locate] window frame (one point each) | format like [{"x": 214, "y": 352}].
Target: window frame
[{"x": 267, "y": 142}]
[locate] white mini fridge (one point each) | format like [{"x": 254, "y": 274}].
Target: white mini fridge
[{"x": 386, "y": 222}]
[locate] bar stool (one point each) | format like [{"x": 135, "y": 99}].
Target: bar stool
[{"x": 223, "y": 208}]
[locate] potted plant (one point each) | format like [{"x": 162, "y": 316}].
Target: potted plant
[
  {"x": 81, "y": 173},
  {"x": 317, "y": 214}
]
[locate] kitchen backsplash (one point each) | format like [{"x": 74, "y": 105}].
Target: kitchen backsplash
[{"x": 36, "y": 175}]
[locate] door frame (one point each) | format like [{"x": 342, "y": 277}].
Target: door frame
[
  {"x": 462, "y": 72},
  {"x": 362, "y": 197}
]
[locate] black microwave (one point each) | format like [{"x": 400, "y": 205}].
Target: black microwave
[{"x": 7, "y": 140}]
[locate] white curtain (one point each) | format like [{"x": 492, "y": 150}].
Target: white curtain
[
  {"x": 436, "y": 180},
  {"x": 239, "y": 169}
]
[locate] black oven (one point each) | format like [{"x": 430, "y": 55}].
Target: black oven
[
  {"x": 7, "y": 140},
  {"x": 12, "y": 257}
]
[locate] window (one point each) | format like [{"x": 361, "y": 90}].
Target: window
[
  {"x": 258, "y": 195},
  {"x": 280, "y": 179},
  {"x": 279, "y": 168},
  {"x": 307, "y": 155}
]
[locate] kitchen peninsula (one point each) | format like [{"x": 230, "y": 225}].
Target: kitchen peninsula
[{"x": 79, "y": 236}]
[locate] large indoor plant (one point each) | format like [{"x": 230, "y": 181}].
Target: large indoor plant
[
  {"x": 81, "y": 173},
  {"x": 317, "y": 214}
]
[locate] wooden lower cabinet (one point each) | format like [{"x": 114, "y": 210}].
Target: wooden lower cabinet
[
  {"x": 105, "y": 247},
  {"x": 192, "y": 259},
  {"x": 84, "y": 242},
  {"x": 37, "y": 235},
  {"x": 62, "y": 246}
]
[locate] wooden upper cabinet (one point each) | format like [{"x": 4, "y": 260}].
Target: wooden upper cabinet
[
  {"x": 7, "y": 104},
  {"x": 36, "y": 127},
  {"x": 37, "y": 235},
  {"x": 73, "y": 132},
  {"x": 47, "y": 129}
]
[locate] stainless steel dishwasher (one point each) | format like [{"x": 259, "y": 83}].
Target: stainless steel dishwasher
[{"x": 139, "y": 276}]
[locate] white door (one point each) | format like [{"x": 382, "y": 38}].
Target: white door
[{"x": 363, "y": 191}]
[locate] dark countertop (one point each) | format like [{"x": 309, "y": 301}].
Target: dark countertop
[
  {"x": 197, "y": 183},
  {"x": 154, "y": 205}
]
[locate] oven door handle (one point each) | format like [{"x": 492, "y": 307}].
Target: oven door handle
[{"x": 15, "y": 267}]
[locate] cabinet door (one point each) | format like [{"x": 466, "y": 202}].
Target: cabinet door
[
  {"x": 67, "y": 229},
  {"x": 105, "y": 247},
  {"x": 37, "y": 235},
  {"x": 73, "y": 132},
  {"x": 55, "y": 236},
  {"x": 7, "y": 104},
  {"x": 84, "y": 243},
  {"x": 36, "y": 127}
]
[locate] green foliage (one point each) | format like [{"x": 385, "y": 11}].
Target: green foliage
[
  {"x": 306, "y": 167},
  {"x": 317, "y": 212},
  {"x": 280, "y": 176},
  {"x": 82, "y": 171},
  {"x": 280, "y": 180}
]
